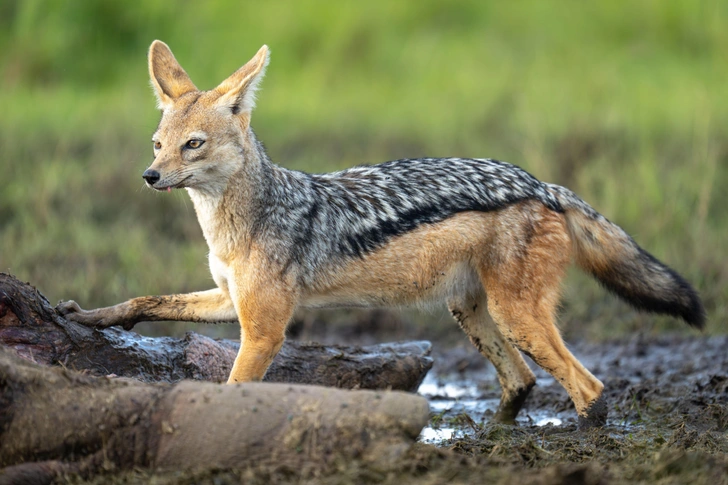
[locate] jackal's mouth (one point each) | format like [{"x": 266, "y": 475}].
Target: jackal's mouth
[{"x": 178, "y": 185}]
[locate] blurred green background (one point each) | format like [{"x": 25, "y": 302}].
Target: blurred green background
[{"x": 624, "y": 102}]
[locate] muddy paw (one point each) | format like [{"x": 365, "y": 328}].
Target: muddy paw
[
  {"x": 67, "y": 307},
  {"x": 510, "y": 406},
  {"x": 596, "y": 415},
  {"x": 90, "y": 318}
]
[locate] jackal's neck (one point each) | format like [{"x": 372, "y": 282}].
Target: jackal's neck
[{"x": 228, "y": 213}]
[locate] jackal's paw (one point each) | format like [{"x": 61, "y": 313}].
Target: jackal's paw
[
  {"x": 511, "y": 403},
  {"x": 596, "y": 414},
  {"x": 90, "y": 318}
]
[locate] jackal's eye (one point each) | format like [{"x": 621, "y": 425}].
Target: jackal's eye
[
  {"x": 194, "y": 143},
  {"x": 157, "y": 145}
]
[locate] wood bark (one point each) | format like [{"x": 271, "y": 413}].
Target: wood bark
[
  {"x": 37, "y": 332},
  {"x": 55, "y": 422}
]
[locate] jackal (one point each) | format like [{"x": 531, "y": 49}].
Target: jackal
[{"x": 482, "y": 235}]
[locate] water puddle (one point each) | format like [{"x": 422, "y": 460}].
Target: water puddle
[
  {"x": 436, "y": 436},
  {"x": 458, "y": 406}
]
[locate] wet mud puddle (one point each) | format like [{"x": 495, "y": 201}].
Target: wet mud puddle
[
  {"x": 458, "y": 405},
  {"x": 657, "y": 384}
]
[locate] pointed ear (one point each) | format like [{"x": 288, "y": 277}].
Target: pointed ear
[
  {"x": 237, "y": 92},
  {"x": 169, "y": 80}
]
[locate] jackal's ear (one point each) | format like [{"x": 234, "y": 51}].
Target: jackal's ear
[
  {"x": 169, "y": 80},
  {"x": 238, "y": 91}
]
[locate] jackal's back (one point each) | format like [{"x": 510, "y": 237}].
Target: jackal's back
[{"x": 355, "y": 211}]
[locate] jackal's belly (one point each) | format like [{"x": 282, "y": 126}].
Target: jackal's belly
[
  {"x": 397, "y": 288},
  {"x": 426, "y": 265}
]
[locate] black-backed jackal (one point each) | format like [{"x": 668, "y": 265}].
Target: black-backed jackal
[{"x": 484, "y": 236}]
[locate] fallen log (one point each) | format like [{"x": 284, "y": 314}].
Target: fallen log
[
  {"x": 56, "y": 422},
  {"x": 37, "y": 332}
]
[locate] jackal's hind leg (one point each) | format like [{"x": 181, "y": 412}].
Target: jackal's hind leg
[
  {"x": 523, "y": 290},
  {"x": 514, "y": 375},
  {"x": 536, "y": 335}
]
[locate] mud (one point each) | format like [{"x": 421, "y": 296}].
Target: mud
[
  {"x": 668, "y": 415},
  {"x": 668, "y": 421}
]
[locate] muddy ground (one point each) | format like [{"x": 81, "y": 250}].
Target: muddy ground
[
  {"x": 668, "y": 416},
  {"x": 668, "y": 422}
]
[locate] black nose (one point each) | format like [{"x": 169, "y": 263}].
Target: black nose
[{"x": 151, "y": 176}]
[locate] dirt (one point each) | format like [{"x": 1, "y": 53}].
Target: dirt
[
  {"x": 668, "y": 423},
  {"x": 668, "y": 416}
]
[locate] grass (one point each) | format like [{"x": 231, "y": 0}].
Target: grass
[{"x": 624, "y": 102}]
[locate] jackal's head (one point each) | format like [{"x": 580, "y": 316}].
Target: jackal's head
[{"x": 203, "y": 134}]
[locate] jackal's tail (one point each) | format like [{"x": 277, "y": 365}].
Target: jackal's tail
[{"x": 607, "y": 252}]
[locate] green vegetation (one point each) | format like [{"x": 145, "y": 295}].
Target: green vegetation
[{"x": 624, "y": 102}]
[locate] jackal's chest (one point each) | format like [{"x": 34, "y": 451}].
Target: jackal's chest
[
  {"x": 221, "y": 273},
  {"x": 222, "y": 232}
]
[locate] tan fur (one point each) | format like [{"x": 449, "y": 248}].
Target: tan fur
[
  {"x": 523, "y": 293},
  {"x": 595, "y": 243},
  {"x": 518, "y": 255},
  {"x": 514, "y": 375},
  {"x": 170, "y": 81}
]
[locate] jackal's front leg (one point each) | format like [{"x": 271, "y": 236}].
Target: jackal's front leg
[
  {"x": 264, "y": 305},
  {"x": 203, "y": 306}
]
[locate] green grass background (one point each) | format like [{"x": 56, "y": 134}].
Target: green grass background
[{"x": 624, "y": 102}]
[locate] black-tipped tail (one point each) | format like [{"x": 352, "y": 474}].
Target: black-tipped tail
[
  {"x": 649, "y": 285},
  {"x": 604, "y": 250}
]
